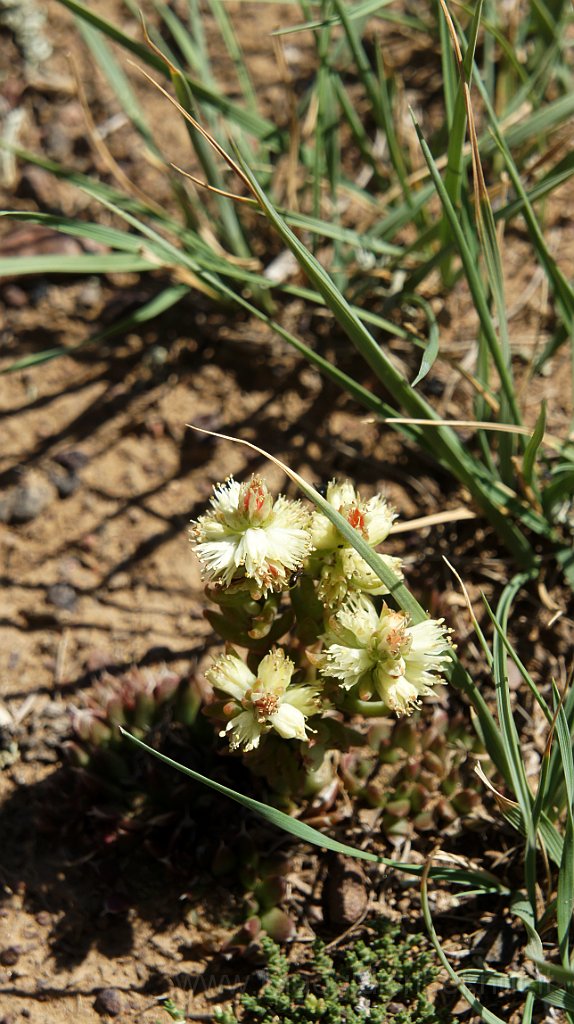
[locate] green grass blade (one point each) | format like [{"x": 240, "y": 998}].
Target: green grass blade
[
  {"x": 474, "y": 282},
  {"x": 563, "y": 974},
  {"x": 82, "y": 263},
  {"x": 119, "y": 83},
  {"x": 230, "y": 39},
  {"x": 550, "y": 839},
  {"x": 376, "y": 88},
  {"x": 359, "y": 11},
  {"x": 565, "y": 895},
  {"x": 432, "y": 348},
  {"x": 525, "y": 911},
  {"x": 193, "y": 49},
  {"x": 457, "y": 121},
  {"x": 485, "y": 1014},
  {"x": 450, "y": 81},
  {"x": 227, "y": 211},
  {"x": 563, "y": 290},
  {"x": 510, "y": 736},
  {"x": 543, "y": 990},
  {"x": 444, "y": 441},
  {"x": 300, "y": 830},
  {"x": 99, "y": 233},
  {"x": 531, "y": 451}
]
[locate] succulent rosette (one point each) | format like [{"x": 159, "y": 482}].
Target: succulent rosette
[
  {"x": 262, "y": 702},
  {"x": 382, "y": 655},
  {"x": 249, "y": 539}
]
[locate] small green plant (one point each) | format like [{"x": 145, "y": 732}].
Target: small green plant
[
  {"x": 382, "y": 978},
  {"x": 281, "y": 573}
]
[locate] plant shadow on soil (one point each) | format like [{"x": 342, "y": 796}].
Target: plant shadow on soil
[{"x": 71, "y": 851}]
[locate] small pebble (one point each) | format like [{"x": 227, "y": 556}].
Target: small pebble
[
  {"x": 71, "y": 459},
  {"x": 65, "y": 483},
  {"x": 62, "y": 595},
  {"x": 14, "y": 296},
  {"x": 29, "y": 499},
  {"x": 108, "y": 1001},
  {"x": 10, "y": 956}
]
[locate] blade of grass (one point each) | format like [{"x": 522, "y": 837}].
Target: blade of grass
[
  {"x": 474, "y": 282},
  {"x": 565, "y": 895},
  {"x": 300, "y": 830},
  {"x": 455, "y": 98},
  {"x": 376, "y": 89},
  {"x": 485, "y": 1014},
  {"x": 82, "y": 263},
  {"x": 445, "y": 443},
  {"x": 529, "y": 471},
  {"x": 431, "y": 351},
  {"x": 491, "y": 253},
  {"x": 561, "y": 287},
  {"x": 360, "y": 11},
  {"x": 510, "y": 736},
  {"x": 543, "y": 990}
]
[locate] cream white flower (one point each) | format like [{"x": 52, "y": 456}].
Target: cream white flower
[
  {"x": 342, "y": 570},
  {"x": 263, "y": 702},
  {"x": 382, "y": 655},
  {"x": 246, "y": 536},
  {"x": 373, "y": 517}
]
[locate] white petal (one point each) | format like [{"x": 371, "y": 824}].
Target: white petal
[
  {"x": 245, "y": 731},
  {"x": 324, "y": 535},
  {"x": 220, "y": 558},
  {"x": 226, "y": 496},
  {"x": 379, "y": 518},
  {"x": 230, "y": 675},
  {"x": 360, "y": 575},
  {"x": 359, "y": 617},
  {"x": 287, "y": 545},
  {"x": 400, "y": 694},
  {"x": 275, "y": 671},
  {"x": 341, "y": 492},
  {"x": 305, "y": 698},
  {"x": 252, "y": 551},
  {"x": 348, "y": 664},
  {"x": 289, "y": 722}
]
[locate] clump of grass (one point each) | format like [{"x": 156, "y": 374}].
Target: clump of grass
[{"x": 518, "y": 478}]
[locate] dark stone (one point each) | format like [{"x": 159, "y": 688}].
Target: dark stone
[
  {"x": 109, "y": 1002},
  {"x": 62, "y": 595},
  {"x": 10, "y": 956}
]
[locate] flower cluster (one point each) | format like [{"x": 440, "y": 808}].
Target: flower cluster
[
  {"x": 250, "y": 539},
  {"x": 277, "y": 568},
  {"x": 262, "y": 701},
  {"x": 381, "y": 655},
  {"x": 341, "y": 568}
]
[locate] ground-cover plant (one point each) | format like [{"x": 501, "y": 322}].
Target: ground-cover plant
[
  {"x": 521, "y": 479},
  {"x": 382, "y": 977}
]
